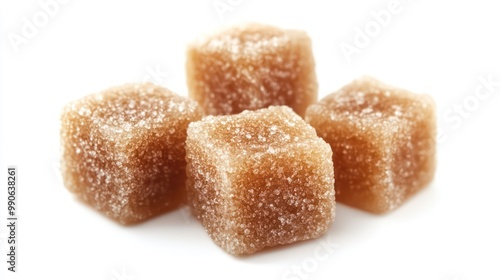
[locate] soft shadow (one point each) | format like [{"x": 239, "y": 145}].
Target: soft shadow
[
  {"x": 177, "y": 222},
  {"x": 176, "y": 218},
  {"x": 350, "y": 225},
  {"x": 423, "y": 201}
]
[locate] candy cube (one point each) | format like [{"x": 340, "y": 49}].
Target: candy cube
[
  {"x": 123, "y": 150},
  {"x": 383, "y": 142},
  {"x": 259, "y": 179},
  {"x": 250, "y": 67}
]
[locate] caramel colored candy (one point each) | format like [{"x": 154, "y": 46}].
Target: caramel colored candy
[
  {"x": 123, "y": 150},
  {"x": 383, "y": 142},
  {"x": 258, "y": 179},
  {"x": 252, "y": 66}
]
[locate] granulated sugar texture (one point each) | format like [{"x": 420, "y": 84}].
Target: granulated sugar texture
[
  {"x": 258, "y": 179},
  {"x": 383, "y": 142},
  {"x": 123, "y": 150},
  {"x": 252, "y": 66}
]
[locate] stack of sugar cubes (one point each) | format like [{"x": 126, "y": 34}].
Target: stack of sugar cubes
[{"x": 253, "y": 153}]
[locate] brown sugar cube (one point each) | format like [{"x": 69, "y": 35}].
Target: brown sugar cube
[
  {"x": 250, "y": 67},
  {"x": 382, "y": 140},
  {"x": 123, "y": 150},
  {"x": 259, "y": 179}
]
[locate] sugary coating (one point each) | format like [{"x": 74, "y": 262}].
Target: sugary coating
[
  {"x": 259, "y": 179},
  {"x": 252, "y": 66},
  {"x": 123, "y": 150},
  {"x": 383, "y": 142}
]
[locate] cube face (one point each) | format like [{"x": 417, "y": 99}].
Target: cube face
[
  {"x": 383, "y": 142},
  {"x": 250, "y": 67},
  {"x": 123, "y": 150},
  {"x": 259, "y": 179},
  {"x": 281, "y": 202}
]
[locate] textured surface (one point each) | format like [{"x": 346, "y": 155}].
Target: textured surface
[
  {"x": 383, "y": 142},
  {"x": 123, "y": 150},
  {"x": 250, "y": 67},
  {"x": 258, "y": 179}
]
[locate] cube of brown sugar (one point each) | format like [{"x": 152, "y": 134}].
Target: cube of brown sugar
[
  {"x": 123, "y": 150},
  {"x": 383, "y": 142},
  {"x": 252, "y": 66},
  {"x": 259, "y": 179}
]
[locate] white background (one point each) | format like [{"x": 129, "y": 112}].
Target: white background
[{"x": 449, "y": 231}]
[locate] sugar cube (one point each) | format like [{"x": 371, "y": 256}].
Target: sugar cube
[
  {"x": 123, "y": 150},
  {"x": 252, "y": 66},
  {"x": 383, "y": 142},
  {"x": 259, "y": 178}
]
